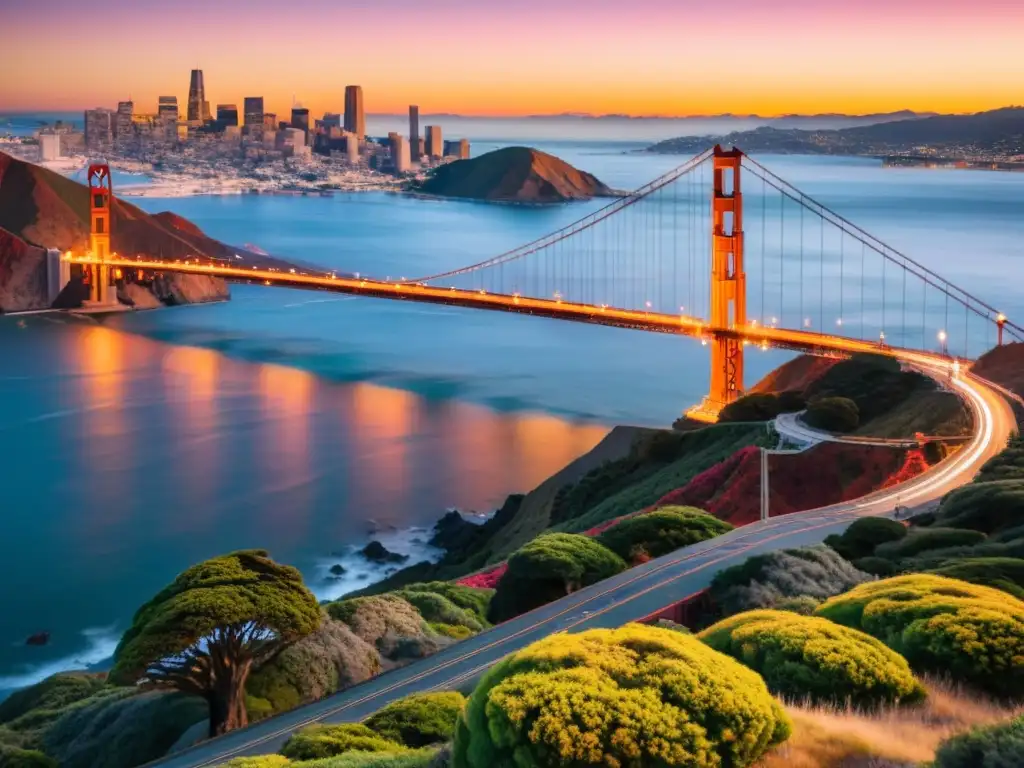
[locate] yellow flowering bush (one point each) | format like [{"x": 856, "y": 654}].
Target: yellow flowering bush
[
  {"x": 809, "y": 657},
  {"x": 633, "y": 696},
  {"x": 972, "y": 633}
]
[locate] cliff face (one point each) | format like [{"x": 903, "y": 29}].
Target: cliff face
[
  {"x": 514, "y": 174},
  {"x": 22, "y": 275},
  {"x": 42, "y": 209}
]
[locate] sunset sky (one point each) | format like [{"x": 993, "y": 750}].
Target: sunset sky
[{"x": 514, "y": 57}]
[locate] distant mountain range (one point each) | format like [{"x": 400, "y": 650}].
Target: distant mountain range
[{"x": 998, "y": 133}]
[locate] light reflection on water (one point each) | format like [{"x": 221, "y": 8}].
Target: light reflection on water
[{"x": 137, "y": 458}]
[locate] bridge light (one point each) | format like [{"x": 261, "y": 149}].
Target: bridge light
[
  {"x": 807, "y": 322},
  {"x": 266, "y": 282},
  {"x": 839, "y": 322},
  {"x": 1001, "y": 318},
  {"x": 881, "y": 337},
  {"x": 942, "y": 336},
  {"x": 775, "y": 321},
  {"x": 703, "y": 342},
  {"x": 483, "y": 292}
]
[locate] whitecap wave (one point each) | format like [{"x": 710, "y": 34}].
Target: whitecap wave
[
  {"x": 99, "y": 646},
  {"x": 360, "y": 572}
]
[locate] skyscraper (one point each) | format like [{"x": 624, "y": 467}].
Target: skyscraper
[
  {"x": 197, "y": 110},
  {"x": 167, "y": 109},
  {"x": 414, "y": 132},
  {"x": 300, "y": 119},
  {"x": 123, "y": 122},
  {"x": 253, "y": 107},
  {"x": 355, "y": 120},
  {"x": 435, "y": 144},
  {"x": 99, "y": 128},
  {"x": 227, "y": 114}
]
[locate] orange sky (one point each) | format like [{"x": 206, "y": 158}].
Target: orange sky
[{"x": 675, "y": 57}]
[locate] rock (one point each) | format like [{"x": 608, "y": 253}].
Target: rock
[
  {"x": 362, "y": 576},
  {"x": 378, "y": 553},
  {"x": 39, "y": 638},
  {"x": 337, "y": 569}
]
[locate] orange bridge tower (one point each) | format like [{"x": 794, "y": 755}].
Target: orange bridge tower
[
  {"x": 728, "y": 279},
  {"x": 100, "y": 193}
]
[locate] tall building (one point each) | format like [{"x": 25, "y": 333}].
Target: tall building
[
  {"x": 399, "y": 148},
  {"x": 167, "y": 109},
  {"x": 49, "y": 145},
  {"x": 332, "y": 120},
  {"x": 270, "y": 121},
  {"x": 355, "y": 120},
  {"x": 99, "y": 128},
  {"x": 207, "y": 115},
  {"x": 300, "y": 119},
  {"x": 459, "y": 149},
  {"x": 123, "y": 121},
  {"x": 197, "y": 109},
  {"x": 227, "y": 114},
  {"x": 414, "y": 132},
  {"x": 435, "y": 144},
  {"x": 253, "y": 107}
]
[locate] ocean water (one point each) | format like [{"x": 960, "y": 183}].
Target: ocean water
[{"x": 308, "y": 424}]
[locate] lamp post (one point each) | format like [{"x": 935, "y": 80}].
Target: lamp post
[
  {"x": 942, "y": 343},
  {"x": 1000, "y": 322}
]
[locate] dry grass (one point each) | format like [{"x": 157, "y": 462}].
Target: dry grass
[{"x": 907, "y": 736}]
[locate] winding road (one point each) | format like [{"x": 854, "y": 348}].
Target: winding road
[{"x": 635, "y": 594}]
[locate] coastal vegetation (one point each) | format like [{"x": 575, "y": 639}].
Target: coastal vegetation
[
  {"x": 666, "y": 529},
  {"x": 550, "y": 567},
  {"x": 205, "y": 632},
  {"x": 806, "y": 657},
  {"x": 973, "y": 633},
  {"x": 630, "y": 696}
]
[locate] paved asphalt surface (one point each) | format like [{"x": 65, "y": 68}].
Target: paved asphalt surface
[
  {"x": 791, "y": 427},
  {"x": 630, "y": 596}
]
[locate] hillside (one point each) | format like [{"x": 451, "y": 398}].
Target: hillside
[
  {"x": 41, "y": 209},
  {"x": 999, "y": 131},
  {"x": 514, "y": 174}
]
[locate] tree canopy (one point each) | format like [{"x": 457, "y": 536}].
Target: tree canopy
[
  {"x": 204, "y": 632},
  {"x": 419, "y": 720},
  {"x": 631, "y": 696},
  {"x": 549, "y": 567}
]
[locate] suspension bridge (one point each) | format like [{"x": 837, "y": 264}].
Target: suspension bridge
[{"x": 751, "y": 262}]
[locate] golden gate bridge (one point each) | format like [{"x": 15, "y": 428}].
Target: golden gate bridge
[{"x": 753, "y": 262}]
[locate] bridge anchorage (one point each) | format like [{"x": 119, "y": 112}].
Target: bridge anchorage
[{"x": 760, "y": 264}]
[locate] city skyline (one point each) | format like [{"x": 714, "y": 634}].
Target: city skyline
[{"x": 662, "y": 58}]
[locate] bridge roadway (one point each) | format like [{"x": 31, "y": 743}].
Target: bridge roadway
[
  {"x": 599, "y": 314},
  {"x": 630, "y": 596}
]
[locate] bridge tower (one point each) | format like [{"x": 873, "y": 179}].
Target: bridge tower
[
  {"x": 100, "y": 193},
  {"x": 728, "y": 279}
]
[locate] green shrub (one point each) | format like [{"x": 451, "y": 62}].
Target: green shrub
[
  {"x": 875, "y": 383},
  {"x": 863, "y": 535},
  {"x": 994, "y": 746},
  {"x": 453, "y": 631},
  {"x": 809, "y": 657},
  {"x": 438, "y": 608},
  {"x": 805, "y": 605},
  {"x": 972, "y": 633},
  {"x": 1005, "y": 573},
  {"x": 258, "y": 761},
  {"x": 876, "y": 566},
  {"x": 53, "y": 693},
  {"x": 1008, "y": 464},
  {"x": 934, "y": 451},
  {"x": 630, "y": 696},
  {"x": 472, "y": 599},
  {"x": 662, "y": 531},
  {"x": 762, "y": 581},
  {"x": 129, "y": 728},
  {"x": 758, "y": 406},
  {"x": 549, "y": 567},
  {"x": 833, "y": 414},
  {"x": 14, "y": 757},
  {"x": 318, "y": 741},
  {"x": 330, "y": 659},
  {"x": 419, "y": 720},
  {"x": 924, "y": 539},
  {"x": 988, "y": 507},
  {"x": 420, "y": 758}
]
